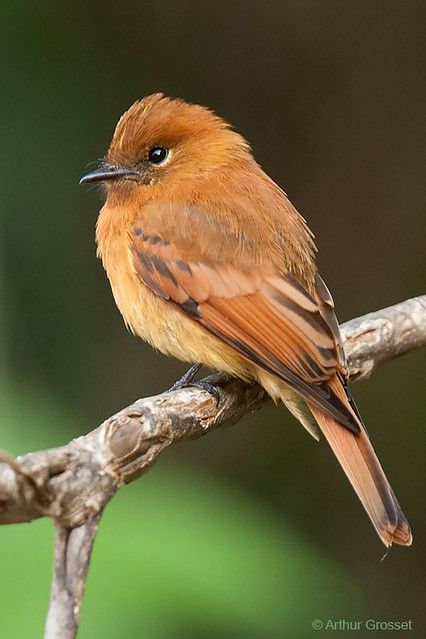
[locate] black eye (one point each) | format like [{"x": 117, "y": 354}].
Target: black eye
[{"x": 157, "y": 154}]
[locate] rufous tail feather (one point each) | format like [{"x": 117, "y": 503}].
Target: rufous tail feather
[{"x": 362, "y": 467}]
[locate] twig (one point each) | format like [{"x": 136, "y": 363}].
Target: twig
[
  {"x": 73, "y": 548},
  {"x": 73, "y": 483}
]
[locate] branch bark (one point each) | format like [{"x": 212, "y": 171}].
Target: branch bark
[{"x": 73, "y": 483}]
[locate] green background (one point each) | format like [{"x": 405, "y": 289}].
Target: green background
[{"x": 251, "y": 532}]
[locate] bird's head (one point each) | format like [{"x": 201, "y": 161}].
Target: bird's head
[{"x": 161, "y": 139}]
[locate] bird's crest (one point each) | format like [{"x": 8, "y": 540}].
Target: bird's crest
[{"x": 160, "y": 120}]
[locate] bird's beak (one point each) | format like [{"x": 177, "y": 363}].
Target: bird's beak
[{"x": 107, "y": 172}]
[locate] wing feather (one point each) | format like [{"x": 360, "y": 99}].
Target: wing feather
[{"x": 266, "y": 316}]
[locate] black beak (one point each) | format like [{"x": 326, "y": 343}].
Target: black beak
[{"x": 106, "y": 172}]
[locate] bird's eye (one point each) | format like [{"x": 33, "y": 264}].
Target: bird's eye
[{"x": 157, "y": 154}]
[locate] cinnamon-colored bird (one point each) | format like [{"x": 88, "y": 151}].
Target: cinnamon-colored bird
[{"x": 210, "y": 262}]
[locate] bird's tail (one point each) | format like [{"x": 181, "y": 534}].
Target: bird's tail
[{"x": 359, "y": 461}]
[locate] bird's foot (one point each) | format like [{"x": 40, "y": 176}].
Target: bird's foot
[
  {"x": 210, "y": 388},
  {"x": 188, "y": 379}
]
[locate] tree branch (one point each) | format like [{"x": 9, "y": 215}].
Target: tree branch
[
  {"x": 73, "y": 483},
  {"x": 73, "y": 548}
]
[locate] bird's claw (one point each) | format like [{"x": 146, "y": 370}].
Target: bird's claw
[
  {"x": 188, "y": 379},
  {"x": 210, "y": 388}
]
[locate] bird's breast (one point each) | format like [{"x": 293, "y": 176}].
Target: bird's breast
[
  {"x": 146, "y": 314},
  {"x": 152, "y": 318}
]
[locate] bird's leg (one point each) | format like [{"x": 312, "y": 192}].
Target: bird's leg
[{"x": 188, "y": 379}]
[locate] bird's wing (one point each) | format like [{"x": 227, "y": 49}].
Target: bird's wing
[
  {"x": 274, "y": 322},
  {"x": 266, "y": 316}
]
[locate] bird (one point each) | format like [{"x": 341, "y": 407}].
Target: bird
[{"x": 210, "y": 262}]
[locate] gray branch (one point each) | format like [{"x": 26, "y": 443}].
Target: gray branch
[{"x": 73, "y": 483}]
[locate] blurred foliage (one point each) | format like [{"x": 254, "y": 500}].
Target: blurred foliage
[{"x": 252, "y": 531}]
